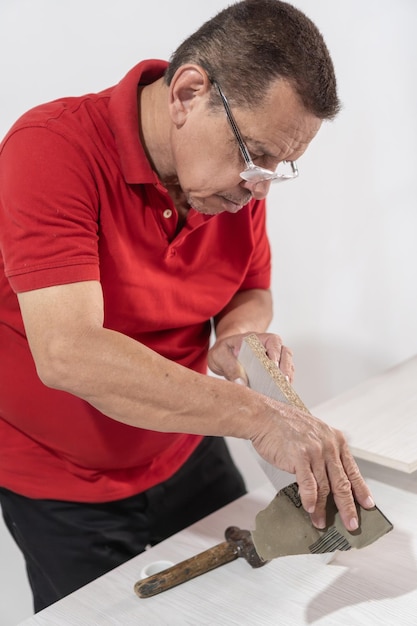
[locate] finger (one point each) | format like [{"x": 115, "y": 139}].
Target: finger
[
  {"x": 223, "y": 363},
  {"x": 343, "y": 496},
  {"x": 273, "y": 346},
  {"x": 347, "y": 485},
  {"x": 242, "y": 378},
  {"x": 280, "y": 355},
  {"x": 318, "y": 516},
  {"x": 286, "y": 364},
  {"x": 345, "y": 504},
  {"x": 307, "y": 488},
  {"x": 360, "y": 489}
]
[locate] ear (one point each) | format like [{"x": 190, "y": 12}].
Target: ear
[{"x": 189, "y": 85}]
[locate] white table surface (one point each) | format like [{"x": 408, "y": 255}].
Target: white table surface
[
  {"x": 373, "y": 586},
  {"x": 379, "y": 417}
]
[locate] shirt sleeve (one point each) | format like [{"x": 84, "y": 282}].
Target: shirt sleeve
[{"x": 48, "y": 210}]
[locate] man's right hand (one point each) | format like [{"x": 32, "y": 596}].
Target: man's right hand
[{"x": 319, "y": 456}]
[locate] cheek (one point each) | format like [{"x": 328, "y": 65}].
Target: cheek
[
  {"x": 204, "y": 174},
  {"x": 205, "y": 161}
]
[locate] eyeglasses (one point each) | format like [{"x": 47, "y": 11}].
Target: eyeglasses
[{"x": 253, "y": 173}]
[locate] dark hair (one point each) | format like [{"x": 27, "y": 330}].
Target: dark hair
[{"x": 251, "y": 43}]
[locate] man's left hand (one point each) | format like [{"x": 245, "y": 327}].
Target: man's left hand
[{"x": 222, "y": 357}]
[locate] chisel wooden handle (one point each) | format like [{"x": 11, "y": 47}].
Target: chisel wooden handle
[
  {"x": 188, "y": 569},
  {"x": 238, "y": 543}
]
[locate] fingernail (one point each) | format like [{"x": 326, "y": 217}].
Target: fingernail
[
  {"x": 353, "y": 524},
  {"x": 369, "y": 503},
  {"x": 321, "y": 523},
  {"x": 239, "y": 381},
  {"x": 287, "y": 378}
]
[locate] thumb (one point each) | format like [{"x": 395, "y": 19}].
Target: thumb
[{"x": 240, "y": 378}]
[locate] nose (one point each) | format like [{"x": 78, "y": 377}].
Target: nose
[{"x": 259, "y": 190}]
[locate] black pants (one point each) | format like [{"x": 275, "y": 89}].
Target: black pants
[{"x": 68, "y": 544}]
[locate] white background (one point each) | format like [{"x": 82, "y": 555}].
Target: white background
[{"x": 344, "y": 235}]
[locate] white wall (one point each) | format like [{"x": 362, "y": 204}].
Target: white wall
[{"x": 344, "y": 236}]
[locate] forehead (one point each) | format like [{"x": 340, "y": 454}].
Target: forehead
[{"x": 280, "y": 125}]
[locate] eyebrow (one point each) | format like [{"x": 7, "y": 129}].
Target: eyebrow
[{"x": 258, "y": 145}]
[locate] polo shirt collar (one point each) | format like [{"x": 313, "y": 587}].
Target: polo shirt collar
[{"x": 123, "y": 119}]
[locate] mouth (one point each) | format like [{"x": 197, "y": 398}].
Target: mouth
[
  {"x": 233, "y": 206},
  {"x": 218, "y": 203}
]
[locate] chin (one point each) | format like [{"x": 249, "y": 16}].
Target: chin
[{"x": 214, "y": 205}]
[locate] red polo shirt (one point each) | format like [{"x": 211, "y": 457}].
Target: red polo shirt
[{"x": 79, "y": 201}]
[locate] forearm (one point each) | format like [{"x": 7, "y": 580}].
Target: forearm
[
  {"x": 121, "y": 377},
  {"x": 132, "y": 384},
  {"x": 248, "y": 311}
]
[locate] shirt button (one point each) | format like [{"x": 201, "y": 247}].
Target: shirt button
[{"x": 167, "y": 213}]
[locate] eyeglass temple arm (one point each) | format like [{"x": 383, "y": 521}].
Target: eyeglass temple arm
[
  {"x": 235, "y": 129},
  {"x": 293, "y": 166}
]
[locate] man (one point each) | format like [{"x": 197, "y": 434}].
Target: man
[{"x": 130, "y": 222}]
